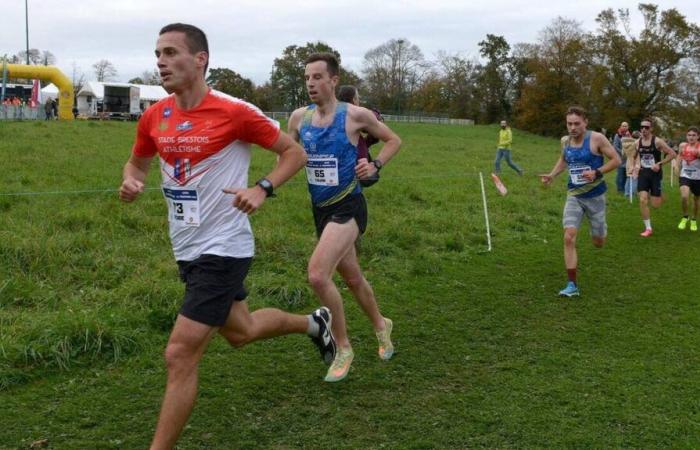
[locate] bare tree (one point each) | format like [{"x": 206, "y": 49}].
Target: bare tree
[
  {"x": 104, "y": 70},
  {"x": 78, "y": 78},
  {"x": 34, "y": 56},
  {"x": 47, "y": 58},
  {"x": 393, "y": 71}
]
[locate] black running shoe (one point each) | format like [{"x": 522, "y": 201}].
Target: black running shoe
[{"x": 325, "y": 340}]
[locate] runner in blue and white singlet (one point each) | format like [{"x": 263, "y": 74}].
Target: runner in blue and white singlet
[
  {"x": 580, "y": 160},
  {"x": 583, "y": 154},
  {"x": 330, "y": 169},
  {"x": 329, "y": 131}
]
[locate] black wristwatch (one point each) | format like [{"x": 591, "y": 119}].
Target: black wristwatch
[
  {"x": 267, "y": 186},
  {"x": 378, "y": 164},
  {"x": 598, "y": 174}
]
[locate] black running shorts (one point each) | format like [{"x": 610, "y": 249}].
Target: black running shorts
[
  {"x": 212, "y": 284},
  {"x": 351, "y": 207},
  {"x": 650, "y": 181},
  {"x": 694, "y": 185}
]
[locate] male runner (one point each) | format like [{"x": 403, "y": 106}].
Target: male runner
[
  {"x": 202, "y": 139},
  {"x": 689, "y": 179},
  {"x": 583, "y": 153},
  {"x": 329, "y": 131},
  {"x": 647, "y": 170}
]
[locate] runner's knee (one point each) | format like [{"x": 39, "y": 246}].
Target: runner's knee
[{"x": 179, "y": 358}]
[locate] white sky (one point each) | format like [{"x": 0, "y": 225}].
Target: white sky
[{"x": 247, "y": 35}]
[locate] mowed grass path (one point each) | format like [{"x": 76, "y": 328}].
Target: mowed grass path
[{"x": 487, "y": 355}]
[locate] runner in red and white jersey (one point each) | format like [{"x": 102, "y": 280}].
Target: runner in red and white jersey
[
  {"x": 689, "y": 178},
  {"x": 202, "y": 150},
  {"x": 203, "y": 140}
]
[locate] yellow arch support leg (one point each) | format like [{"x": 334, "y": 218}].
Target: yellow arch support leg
[{"x": 55, "y": 76}]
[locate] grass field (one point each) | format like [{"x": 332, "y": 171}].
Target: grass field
[{"x": 487, "y": 355}]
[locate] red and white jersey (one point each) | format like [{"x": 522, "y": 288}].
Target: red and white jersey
[
  {"x": 690, "y": 161},
  {"x": 202, "y": 151}
]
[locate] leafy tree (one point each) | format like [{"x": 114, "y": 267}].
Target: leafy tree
[
  {"x": 640, "y": 75},
  {"x": 104, "y": 70},
  {"x": 393, "y": 72},
  {"x": 494, "y": 79},
  {"x": 561, "y": 75},
  {"x": 459, "y": 84},
  {"x": 232, "y": 83},
  {"x": 287, "y": 78}
]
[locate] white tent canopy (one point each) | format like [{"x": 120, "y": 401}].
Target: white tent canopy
[
  {"x": 93, "y": 92},
  {"x": 50, "y": 91}
]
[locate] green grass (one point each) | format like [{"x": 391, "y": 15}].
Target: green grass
[{"x": 487, "y": 355}]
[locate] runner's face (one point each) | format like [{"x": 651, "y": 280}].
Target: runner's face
[
  {"x": 319, "y": 83},
  {"x": 692, "y": 137},
  {"x": 179, "y": 69},
  {"x": 576, "y": 125},
  {"x": 646, "y": 129}
]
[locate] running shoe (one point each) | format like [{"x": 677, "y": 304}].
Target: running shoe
[
  {"x": 386, "y": 348},
  {"x": 325, "y": 340},
  {"x": 646, "y": 233},
  {"x": 571, "y": 290},
  {"x": 693, "y": 225},
  {"x": 341, "y": 365},
  {"x": 683, "y": 223}
]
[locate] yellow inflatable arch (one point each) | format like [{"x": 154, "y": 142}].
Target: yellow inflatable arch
[{"x": 55, "y": 76}]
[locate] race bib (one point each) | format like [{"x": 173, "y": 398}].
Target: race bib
[
  {"x": 648, "y": 161},
  {"x": 183, "y": 205},
  {"x": 576, "y": 174},
  {"x": 690, "y": 173},
  {"x": 322, "y": 171}
]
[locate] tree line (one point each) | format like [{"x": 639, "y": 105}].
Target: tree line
[{"x": 614, "y": 73}]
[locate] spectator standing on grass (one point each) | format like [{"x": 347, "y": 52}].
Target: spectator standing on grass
[
  {"x": 48, "y": 110},
  {"x": 583, "y": 154},
  {"x": 329, "y": 131},
  {"x": 505, "y": 142},
  {"x": 205, "y": 179},
  {"x": 621, "y": 178}
]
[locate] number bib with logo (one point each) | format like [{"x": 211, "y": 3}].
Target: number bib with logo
[
  {"x": 690, "y": 173},
  {"x": 322, "y": 171},
  {"x": 648, "y": 161},
  {"x": 576, "y": 174},
  {"x": 183, "y": 205}
]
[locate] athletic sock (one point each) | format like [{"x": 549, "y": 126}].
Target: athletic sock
[
  {"x": 571, "y": 273},
  {"x": 647, "y": 224},
  {"x": 313, "y": 329}
]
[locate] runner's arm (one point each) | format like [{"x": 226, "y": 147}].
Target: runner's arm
[
  {"x": 369, "y": 123},
  {"x": 558, "y": 168},
  {"x": 606, "y": 148},
  {"x": 134, "y": 177},
  {"x": 670, "y": 153}
]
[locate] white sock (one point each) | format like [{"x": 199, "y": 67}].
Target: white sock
[
  {"x": 647, "y": 224},
  {"x": 313, "y": 328}
]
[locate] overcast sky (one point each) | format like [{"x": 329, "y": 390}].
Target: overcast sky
[{"x": 247, "y": 35}]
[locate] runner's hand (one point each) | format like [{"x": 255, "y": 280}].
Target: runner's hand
[
  {"x": 589, "y": 175},
  {"x": 130, "y": 189},
  {"x": 364, "y": 169},
  {"x": 247, "y": 200},
  {"x": 656, "y": 167},
  {"x": 546, "y": 178}
]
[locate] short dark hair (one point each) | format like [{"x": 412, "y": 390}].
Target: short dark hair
[
  {"x": 195, "y": 38},
  {"x": 332, "y": 64},
  {"x": 648, "y": 119},
  {"x": 693, "y": 129},
  {"x": 347, "y": 93},
  {"x": 578, "y": 110}
]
